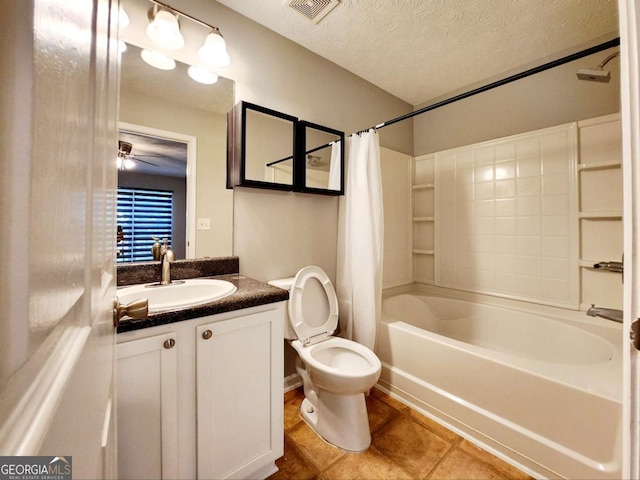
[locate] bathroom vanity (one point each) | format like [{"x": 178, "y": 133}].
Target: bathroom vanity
[{"x": 200, "y": 389}]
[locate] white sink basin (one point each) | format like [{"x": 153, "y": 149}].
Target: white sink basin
[{"x": 181, "y": 294}]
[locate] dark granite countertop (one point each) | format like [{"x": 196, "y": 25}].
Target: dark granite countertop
[{"x": 249, "y": 293}]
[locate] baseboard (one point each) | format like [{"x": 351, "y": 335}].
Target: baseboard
[{"x": 292, "y": 382}]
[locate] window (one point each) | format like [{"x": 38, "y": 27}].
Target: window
[{"x": 142, "y": 213}]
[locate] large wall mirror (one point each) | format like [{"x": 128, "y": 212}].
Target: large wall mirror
[{"x": 173, "y": 131}]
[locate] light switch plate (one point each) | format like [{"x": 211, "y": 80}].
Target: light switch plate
[{"x": 204, "y": 224}]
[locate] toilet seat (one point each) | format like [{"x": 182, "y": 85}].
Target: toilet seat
[
  {"x": 307, "y": 333},
  {"x": 354, "y": 360},
  {"x": 340, "y": 365}
]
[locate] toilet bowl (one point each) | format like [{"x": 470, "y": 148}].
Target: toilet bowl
[{"x": 335, "y": 372}]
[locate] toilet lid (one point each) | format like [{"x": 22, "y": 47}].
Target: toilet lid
[{"x": 313, "y": 306}]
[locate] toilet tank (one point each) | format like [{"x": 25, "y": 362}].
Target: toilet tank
[{"x": 286, "y": 284}]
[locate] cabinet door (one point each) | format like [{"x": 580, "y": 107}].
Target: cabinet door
[
  {"x": 148, "y": 408},
  {"x": 239, "y": 369}
]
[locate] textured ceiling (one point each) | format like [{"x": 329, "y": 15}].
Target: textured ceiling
[{"x": 419, "y": 50}]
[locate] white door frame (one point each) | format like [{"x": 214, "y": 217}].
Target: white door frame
[
  {"x": 191, "y": 142},
  {"x": 630, "y": 115}
]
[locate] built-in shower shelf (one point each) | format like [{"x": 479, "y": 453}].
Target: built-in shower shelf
[
  {"x": 600, "y": 165},
  {"x": 423, "y": 191},
  {"x": 600, "y": 215}
]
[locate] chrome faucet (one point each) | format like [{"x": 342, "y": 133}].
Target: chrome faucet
[
  {"x": 166, "y": 257},
  {"x": 608, "y": 313}
]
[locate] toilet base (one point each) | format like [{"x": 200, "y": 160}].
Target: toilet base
[{"x": 339, "y": 419}]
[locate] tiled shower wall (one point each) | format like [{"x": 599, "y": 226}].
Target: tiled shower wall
[
  {"x": 525, "y": 216},
  {"x": 396, "y": 180},
  {"x": 506, "y": 217}
]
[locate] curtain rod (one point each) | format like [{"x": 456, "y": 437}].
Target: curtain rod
[
  {"x": 271, "y": 164},
  {"x": 555, "y": 63}
]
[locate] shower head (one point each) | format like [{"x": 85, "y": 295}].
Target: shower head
[
  {"x": 598, "y": 74},
  {"x": 594, "y": 75}
]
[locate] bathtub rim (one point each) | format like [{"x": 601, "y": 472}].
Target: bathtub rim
[
  {"x": 578, "y": 376},
  {"x": 579, "y": 318}
]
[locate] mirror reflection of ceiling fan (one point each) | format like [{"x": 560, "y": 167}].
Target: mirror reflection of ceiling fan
[{"x": 126, "y": 158}]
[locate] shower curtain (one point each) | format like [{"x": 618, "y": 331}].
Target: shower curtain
[
  {"x": 334, "y": 166},
  {"x": 360, "y": 237}
]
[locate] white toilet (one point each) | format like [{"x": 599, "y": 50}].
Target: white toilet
[{"x": 336, "y": 372}]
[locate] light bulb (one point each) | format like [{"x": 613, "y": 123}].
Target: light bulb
[
  {"x": 158, "y": 60},
  {"x": 122, "y": 46},
  {"x": 129, "y": 164},
  {"x": 214, "y": 50},
  {"x": 202, "y": 75},
  {"x": 165, "y": 31}
]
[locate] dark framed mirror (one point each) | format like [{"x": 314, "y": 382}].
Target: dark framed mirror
[
  {"x": 321, "y": 159},
  {"x": 261, "y": 146},
  {"x": 273, "y": 150}
]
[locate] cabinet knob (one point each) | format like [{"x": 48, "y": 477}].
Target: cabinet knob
[
  {"x": 169, "y": 343},
  {"x": 207, "y": 334}
]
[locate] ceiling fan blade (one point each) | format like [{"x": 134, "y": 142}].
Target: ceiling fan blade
[{"x": 143, "y": 161}]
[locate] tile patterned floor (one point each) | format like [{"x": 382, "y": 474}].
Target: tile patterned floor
[{"x": 405, "y": 445}]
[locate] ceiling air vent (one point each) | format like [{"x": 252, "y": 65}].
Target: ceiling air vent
[{"x": 314, "y": 10}]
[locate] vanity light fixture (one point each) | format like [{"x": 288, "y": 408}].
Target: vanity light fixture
[
  {"x": 164, "y": 29},
  {"x": 158, "y": 60},
  {"x": 214, "y": 50},
  {"x": 202, "y": 75}
]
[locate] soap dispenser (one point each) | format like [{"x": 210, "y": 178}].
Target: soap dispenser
[{"x": 155, "y": 249}]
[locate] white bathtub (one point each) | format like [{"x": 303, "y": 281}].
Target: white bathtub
[{"x": 541, "y": 391}]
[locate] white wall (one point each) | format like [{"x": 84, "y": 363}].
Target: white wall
[{"x": 277, "y": 241}]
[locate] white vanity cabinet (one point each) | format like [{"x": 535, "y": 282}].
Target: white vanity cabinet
[
  {"x": 147, "y": 392},
  {"x": 227, "y": 376},
  {"x": 240, "y": 378}
]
